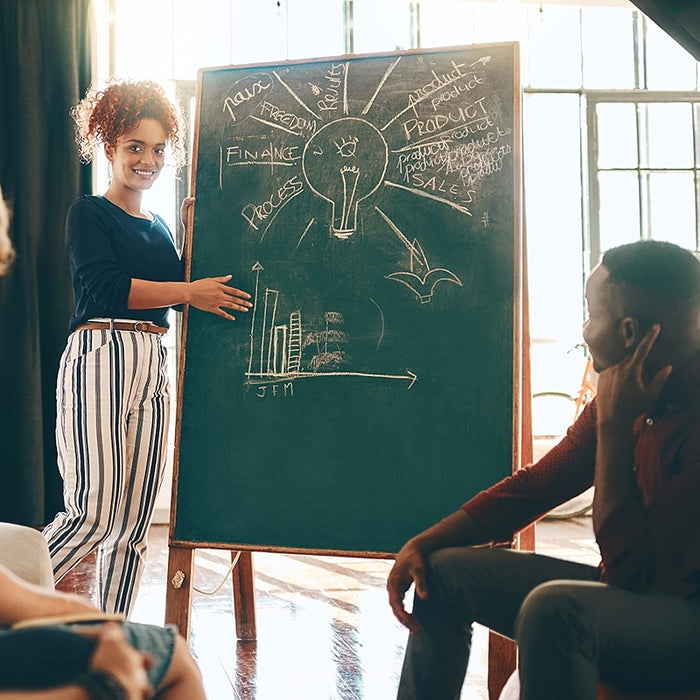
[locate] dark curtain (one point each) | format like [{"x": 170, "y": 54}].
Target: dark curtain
[{"x": 44, "y": 70}]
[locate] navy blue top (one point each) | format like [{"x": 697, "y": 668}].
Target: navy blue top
[{"x": 107, "y": 248}]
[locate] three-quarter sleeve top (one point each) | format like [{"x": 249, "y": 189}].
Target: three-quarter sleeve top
[{"x": 107, "y": 248}]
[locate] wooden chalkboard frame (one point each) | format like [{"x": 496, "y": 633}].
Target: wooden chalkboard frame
[{"x": 181, "y": 547}]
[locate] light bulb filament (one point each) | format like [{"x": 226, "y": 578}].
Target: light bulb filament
[{"x": 350, "y": 176}]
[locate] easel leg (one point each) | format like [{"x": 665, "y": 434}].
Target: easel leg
[
  {"x": 178, "y": 597},
  {"x": 244, "y": 595},
  {"x": 502, "y": 660},
  {"x": 503, "y": 652}
]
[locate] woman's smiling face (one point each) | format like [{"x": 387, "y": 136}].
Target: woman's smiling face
[{"x": 138, "y": 156}]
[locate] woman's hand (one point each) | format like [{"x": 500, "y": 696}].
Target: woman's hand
[
  {"x": 212, "y": 294},
  {"x": 187, "y": 206}
]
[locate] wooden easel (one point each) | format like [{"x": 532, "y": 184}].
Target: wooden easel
[
  {"x": 178, "y": 599},
  {"x": 502, "y": 652},
  {"x": 181, "y": 556}
]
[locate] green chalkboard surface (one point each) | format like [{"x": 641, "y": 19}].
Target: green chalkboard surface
[{"x": 370, "y": 205}]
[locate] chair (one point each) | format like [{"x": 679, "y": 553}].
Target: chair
[
  {"x": 511, "y": 691},
  {"x": 24, "y": 552}
]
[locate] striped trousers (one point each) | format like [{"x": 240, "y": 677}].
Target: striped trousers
[{"x": 113, "y": 403}]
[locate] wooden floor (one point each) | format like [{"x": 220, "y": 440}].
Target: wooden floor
[{"x": 324, "y": 629}]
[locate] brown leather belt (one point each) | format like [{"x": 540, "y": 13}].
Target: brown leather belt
[{"x": 136, "y": 326}]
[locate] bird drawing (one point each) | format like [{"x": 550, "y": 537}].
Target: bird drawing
[{"x": 421, "y": 279}]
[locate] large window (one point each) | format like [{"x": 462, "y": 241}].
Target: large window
[
  {"x": 645, "y": 161},
  {"x": 610, "y": 115}
]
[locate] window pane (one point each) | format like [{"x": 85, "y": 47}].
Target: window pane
[
  {"x": 381, "y": 26},
  {"x": 619, "y": 209},
  {"x": 672, "y": 208},
  {"x": 554, "y": 31},
  {"x": 161, "y": 199},
  {"x": 670, "y": 135},
  {"x": 101, "y": 48},
  {"x": 497, "y": 22},
  {"x": 137, "y": 56},
  {"x": 617, "y": 135},
  {"x": 259, "y": 32},
  {"x": 315, "y": 28},
  {"x": 608, "y": 48},
  {"x": 161, "y": 196},
  {"x": 553, "y": 205},
  {"x": 202, "y": 35},
  {"x": 446, "y": 23},
  {"x": 669, "y": 65}
]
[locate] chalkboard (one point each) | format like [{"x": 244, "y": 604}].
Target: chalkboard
[{"x": 370, "y": 205}]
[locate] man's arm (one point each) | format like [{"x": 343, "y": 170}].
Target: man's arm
[
  {"x": 23, "y": 601},
  {"x": 456, "y": 530},
  {"x": 615, "y": 482},
  {"x": 68, "y": 692},
  {"x": 623, "y": 395},
  {"x": 211, "y": 294}
]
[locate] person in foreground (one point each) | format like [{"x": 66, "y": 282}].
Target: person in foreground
[
  {"x": 633, "y": 621},
  {"x": 109, "y": 660},
  {"x": 112, "y": 390}
]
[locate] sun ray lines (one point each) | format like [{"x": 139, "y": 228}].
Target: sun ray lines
[
  {"x": 295, "y": 96},
  {"x": 380, "y": 85}
]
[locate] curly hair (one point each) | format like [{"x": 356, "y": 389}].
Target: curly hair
[{"x": 105, "y": 114}]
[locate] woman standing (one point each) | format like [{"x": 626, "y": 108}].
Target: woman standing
[{"x": 112, "y": 391}]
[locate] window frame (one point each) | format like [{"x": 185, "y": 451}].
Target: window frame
[{"x": 593, "y": 98}]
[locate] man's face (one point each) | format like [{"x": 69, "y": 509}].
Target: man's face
[{"x": 602, "y": 330}]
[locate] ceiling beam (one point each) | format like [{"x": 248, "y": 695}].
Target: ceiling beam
[{"x": 678, "y": 18}]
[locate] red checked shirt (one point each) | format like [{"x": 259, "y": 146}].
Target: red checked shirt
[{"x": 651, "y": 544}]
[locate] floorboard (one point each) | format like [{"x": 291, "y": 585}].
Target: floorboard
[{"x": 324, "y": 628}]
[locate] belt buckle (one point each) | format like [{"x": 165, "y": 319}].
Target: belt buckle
[{"x": 145, "y": 325}]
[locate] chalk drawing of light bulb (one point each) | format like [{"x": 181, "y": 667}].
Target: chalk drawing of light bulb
[{"x": 344, "y": 162}]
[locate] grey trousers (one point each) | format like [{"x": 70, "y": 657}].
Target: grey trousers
[{"x": 571, "y": 630}]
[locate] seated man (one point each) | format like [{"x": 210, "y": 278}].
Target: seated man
[{"x": 634, "y": 621}]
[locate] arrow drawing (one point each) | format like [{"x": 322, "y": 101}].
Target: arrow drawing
[{"x": 420, "y": 279}]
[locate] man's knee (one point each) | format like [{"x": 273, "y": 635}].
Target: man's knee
[
  {"x": 552, "y": 613},
  {"x": 451, "y": 575},
  {"x": 445, "y": 563},
  {"x": 447, "y": 575}
]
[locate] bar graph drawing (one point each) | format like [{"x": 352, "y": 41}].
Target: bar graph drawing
[{"x": 281, "y": 349}]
